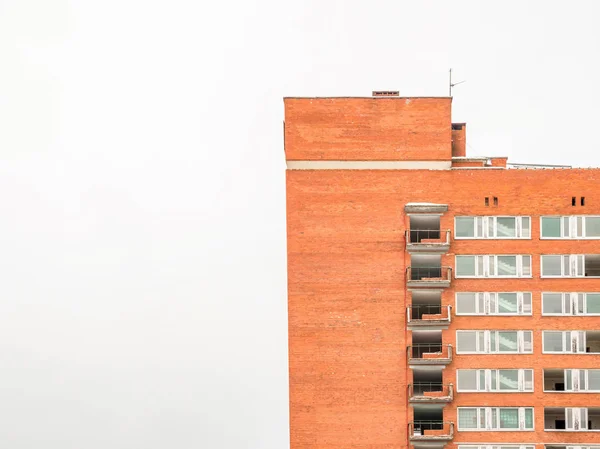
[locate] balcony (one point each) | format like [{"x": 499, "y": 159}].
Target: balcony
[
  {"x": 429, "y": 354},
  {"x": 572, "y": 381},
  {"x": 427, "y": 240},
  {"x": 577, "y": 419},
  {"x": 430, "y": 431},
  {"x": 428, "y": 277},
  {"x": 430, "y": 392},
  {"x": 428, "y": 316}
]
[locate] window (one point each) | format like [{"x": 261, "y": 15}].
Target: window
[
  {"x": 466, "y": 304},
  {"x": 506, "y": 227},
  {"x": 495, "y": 380},
  {"x": 507, "y": 341},
  {"x": 492, "y": 228},
  {"x": 592, "y": 303},
  {"x": 507, "y": 303},
  {"x": 466, "y": 380},
  {"x": 495, "y": 418},
  {"x": 487, "y": 303},
  {"x": 467, "y": 341},
  {"x": 465, "y": 265},
  {"x": 554, "y": 341},
  {"x": 551, "y": 227},
  {"x": 592, "y": 227},
  {"x": 552, "y": 265},
  {"x": 593, "y": 379},
  {"x": 563, "y": 341},
  {"x": 467, "y": 418},
  {"x": 465, "y": 227},
  {"x": 571, "y": 303},
  {"x": 529, "y": 418},
  {"x": 491, "y": 342},
  {"x": 507, "y": 265},
  {"x": 566, "y": 265},
  {"x": 493, "y": 266},
  {"x": 570, "y": 227},
  {"x": 553, "y": 304},
  {"x": 508, "y": 380},
  {"x": 509, "y": 418}
]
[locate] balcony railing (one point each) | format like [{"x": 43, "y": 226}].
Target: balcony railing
[
  {"x": 429, "y": 276},
  {"x": 430, "y": 392},
  {"x": 429, "y": 354},
  {"x": 428, "y": 236},
  {"x": 428, "y": 314},
  {"x": 431, "y": 430}
]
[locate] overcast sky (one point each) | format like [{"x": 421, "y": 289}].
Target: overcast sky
[{"x": 142, "y": 235}]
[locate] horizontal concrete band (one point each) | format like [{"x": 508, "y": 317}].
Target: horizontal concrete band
[{"x": 368, "y": 165}]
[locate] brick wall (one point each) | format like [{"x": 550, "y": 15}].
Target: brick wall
[
  {"x": 347, "y": 297},
  {"x": 459, "y": 139},
  {"x": 368, "y": 129}
]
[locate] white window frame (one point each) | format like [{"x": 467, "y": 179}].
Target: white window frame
[
  {"x": 574, "y": 262},
  {"x": 486, "y": 265},
  {"x": 570, "y": 232},
  {"x": 495, "y": 426},
  {"x": 487, "y": 223},
  {"x": 571, "y": 299},
  {"x": 487, "y": 387},
  {"x": 570, "y": 339},
  {"x": 489, "y": 300},
  {"x": 487, "y": 341}
]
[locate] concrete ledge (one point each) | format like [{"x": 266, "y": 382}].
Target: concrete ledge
[
  {"x": 421, "y": 208},
  {"x": 440, "y": 247},
  {"x": 428, "y": 283}
]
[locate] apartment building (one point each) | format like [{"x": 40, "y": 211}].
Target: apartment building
[{"x": 435, "y": 299}]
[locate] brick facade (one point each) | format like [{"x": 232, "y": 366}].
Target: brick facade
[{"x": 347, "y": 260}]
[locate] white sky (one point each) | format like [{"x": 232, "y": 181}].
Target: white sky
[{"x": 143, "y": 292}]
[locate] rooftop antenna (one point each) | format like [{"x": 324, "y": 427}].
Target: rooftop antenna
[{"x": 455, "y": 84}]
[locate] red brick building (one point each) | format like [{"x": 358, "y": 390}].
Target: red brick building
[{"x": 435, "y": 300}]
